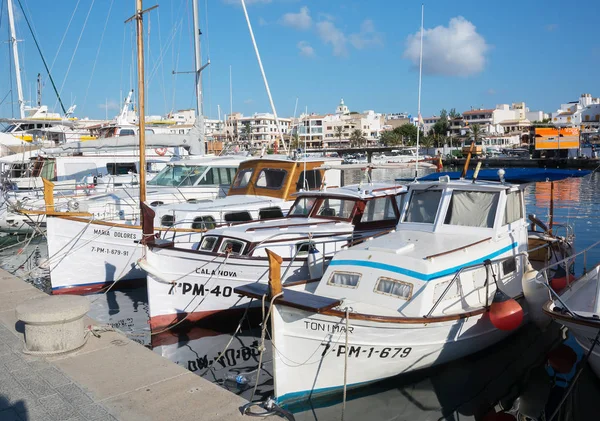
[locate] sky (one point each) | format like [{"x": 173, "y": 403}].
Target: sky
[{"x": 475, "y": 54}]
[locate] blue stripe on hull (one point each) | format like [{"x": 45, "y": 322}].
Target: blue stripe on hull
[{"x": 421, "y": 276}]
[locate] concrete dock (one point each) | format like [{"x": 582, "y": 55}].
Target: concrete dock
[{"x": 110, "y": 378}]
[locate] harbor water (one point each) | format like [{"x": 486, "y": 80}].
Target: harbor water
[{"x": 526, "y": 375}]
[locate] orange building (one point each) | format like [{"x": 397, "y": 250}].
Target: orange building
[{"x": 556, "y": 138}]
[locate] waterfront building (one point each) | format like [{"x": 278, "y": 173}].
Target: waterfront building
[
  {"x": 257, "y": 130},
  {"x": 573, "y": 114}
]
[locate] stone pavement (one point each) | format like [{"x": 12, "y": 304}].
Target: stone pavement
[
  {"x": 110, "y": 378},
  {"x": 33, "y": 389}
]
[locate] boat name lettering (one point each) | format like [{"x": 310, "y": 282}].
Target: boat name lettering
[
  {"x": 106, "y": 250},
  {"x": 101, "y": 232},
  {"x": 325, "y": 327},
  {"x": 126, "y": 235},
  {"x": 199, "y": 289},
  {"x": 224, "y": 273},
  {"x": 365, "y": 352}
]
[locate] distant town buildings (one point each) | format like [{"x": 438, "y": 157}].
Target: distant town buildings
[{"x": 584, "y": 113}]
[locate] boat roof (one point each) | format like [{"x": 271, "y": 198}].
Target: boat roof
[
  {"x": 211, "y": 160},
  {"x": 358, "y": 191},
  {"x": 282, "y": 228},
  {"x": 513, "y": 175}
]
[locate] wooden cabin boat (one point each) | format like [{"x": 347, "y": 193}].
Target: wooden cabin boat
[
  {"x": 410, "y": 299},
  {"x": 195, "y": 283},
  {"x": 103, "y": 240}
]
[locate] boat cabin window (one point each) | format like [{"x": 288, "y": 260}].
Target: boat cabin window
[
  {"x": 120, "y": 168},
  {"x": 302, "y": 248},
  {"x": 514, "y": 209},
  {"x": 302, "y": 206},
  {"x": 472, "y": 209},
  {"x": 178, "y": 175},
  {"x": 344, "y": 279},
  {"x": 380, "y": 209},
  {"x": 126, "y": 132},
  {"x": 270, "y": 213},
  {"x": 242, "y": 179},
  {"x": 218, "y": 176},
  {"x": 231, "y": 246},
  {"x": 423, "y": 206},
  {"x": 336, "y": 208},
  {"x": 243, "y": 216},
  {"x": 208, "y": 244},
  {"x": 393, "y": 288},
  {"x": 167, "y": 221},
  {"x": 271, "y": 178},
  {"x": 48, "y": 170},
  {"x": 10, "y": 128},
  {"x": 204, "y": 222},
  {"x": 309, "y": 180}
]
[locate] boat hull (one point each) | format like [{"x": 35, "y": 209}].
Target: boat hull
[
  {"x": 85, "y": 257},
  {"x": 185, "y": 287},
  {"x": 310, "y": 349}
]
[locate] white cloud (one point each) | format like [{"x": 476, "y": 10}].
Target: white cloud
[
  {"x": 330, "y": 34},
  {"x": 305, "y": 49},
  {"x": 552, "y": 27},
  {"x": 367, "y": 37},
  {"x": 300, "y": 20},
  {"x": 110, "y": 105},
  {"x": 455, "y": 50}
]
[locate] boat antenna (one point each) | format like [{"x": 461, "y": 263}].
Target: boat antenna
[
  {"x": 262, "y": 71},
  {"x": 139, "y": 17},
  {"x": 419, "y": 98}
]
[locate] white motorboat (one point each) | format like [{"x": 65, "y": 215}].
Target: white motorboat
[
  {"x": 575, "y": 303},
  {"x": 434, "y": 290},
  {"x": 192, "y": 284}
]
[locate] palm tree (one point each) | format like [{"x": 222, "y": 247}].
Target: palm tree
[
  {"x": 339, "y": 132},
  {"x": 476, "y": 130},
  {"x": 357, "y": 138},
  {"x": 247, "y": 131}
]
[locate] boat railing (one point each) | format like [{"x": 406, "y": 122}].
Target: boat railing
[
  {"x": 476, "y": 266},
  {"x": 543, "y": 278}
]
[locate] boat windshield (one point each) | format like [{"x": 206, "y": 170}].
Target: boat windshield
[
  {"x": 178, "y": 175},
  {"x": 423, "y": 206},
  {"x": 472, "y": 209},
  {"x": 336, "y": 208},
  {"x": 11, "y": 128},
  {"x": 303, "y": 206}
]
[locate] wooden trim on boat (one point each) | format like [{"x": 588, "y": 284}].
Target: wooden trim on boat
[
  {"x": 566, "y": 317},
  {"x": 71, "y": 216},
  {"x": 458, "y": 249},
  {"x": 54, "y": 213},
  {"x": 293, "y": 225}
]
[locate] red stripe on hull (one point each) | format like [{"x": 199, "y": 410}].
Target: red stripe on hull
[{"x": 223, "y": 319}]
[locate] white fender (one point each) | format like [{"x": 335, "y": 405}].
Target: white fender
[{"x": 536, "y": 296}]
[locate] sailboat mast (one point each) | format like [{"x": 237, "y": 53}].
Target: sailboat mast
[
  {"x": 15, "y": 50},
  {"x": 198, "y": 71},
  {"x": 141, "y": 98},
  {"x": 262, "y": 71},
  {"x": 419, "y": 100}
]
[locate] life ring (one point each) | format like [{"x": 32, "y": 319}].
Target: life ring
[{"x": 160, "y": 151}]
